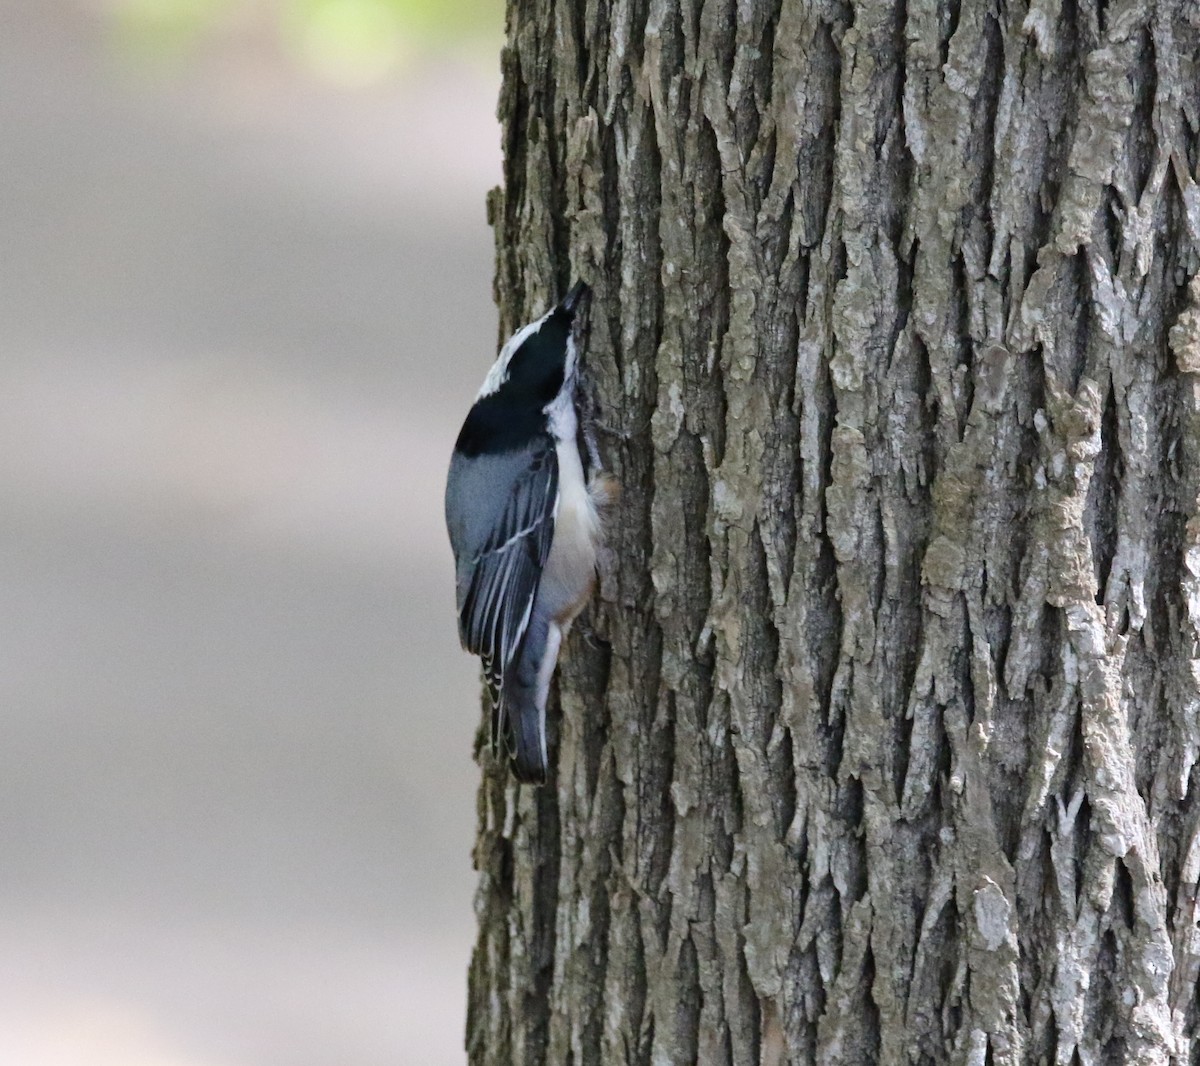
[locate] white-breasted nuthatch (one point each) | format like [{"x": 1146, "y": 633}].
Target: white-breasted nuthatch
[{"x": 523, "y": 503}]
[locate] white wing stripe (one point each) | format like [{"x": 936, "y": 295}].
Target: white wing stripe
[
  {"x": 498, "y": 606},
  {"x": 513, "y": 539}
]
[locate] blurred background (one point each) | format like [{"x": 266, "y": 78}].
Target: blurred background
[{"x": 245, "y": 301}]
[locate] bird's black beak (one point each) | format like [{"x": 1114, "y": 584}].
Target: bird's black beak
[{"x": 572, "y": 300}]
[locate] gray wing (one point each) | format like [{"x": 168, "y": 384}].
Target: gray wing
[{"x": 500, "y": 513}]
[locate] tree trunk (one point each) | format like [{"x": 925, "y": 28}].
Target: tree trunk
[{"x": 882, "y": 746}]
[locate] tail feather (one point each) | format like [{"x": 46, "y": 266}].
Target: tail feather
[
  {"x": 525, "y": 739},
  {"x": 523, "y": 696}
]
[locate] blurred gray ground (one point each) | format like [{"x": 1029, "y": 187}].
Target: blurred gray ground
[{"x": 240, "y": 320}]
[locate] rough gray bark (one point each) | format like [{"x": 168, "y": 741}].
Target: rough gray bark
[{"x": 883, "y": 747}]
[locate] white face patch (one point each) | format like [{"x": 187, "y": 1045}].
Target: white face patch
[
  {"x": 560, "y": 412},
  {"x": 498, "y": 375}
]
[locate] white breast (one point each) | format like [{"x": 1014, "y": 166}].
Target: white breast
[{"x": 570, "y": 571}]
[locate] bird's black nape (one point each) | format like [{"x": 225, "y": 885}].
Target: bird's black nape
[{"x": 579, "y": 291}]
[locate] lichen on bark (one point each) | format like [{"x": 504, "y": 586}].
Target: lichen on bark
[{"x": 880, "y": 741}]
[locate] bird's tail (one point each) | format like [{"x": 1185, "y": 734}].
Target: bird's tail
[
  {"x": 525, "y": 738},
  {"x": 523, "y": 696}
]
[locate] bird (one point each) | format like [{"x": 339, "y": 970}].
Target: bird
[{"x": 525, "y": 501}]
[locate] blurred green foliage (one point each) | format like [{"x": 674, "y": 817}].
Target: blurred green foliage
[{"x": 358, "y": 41}]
